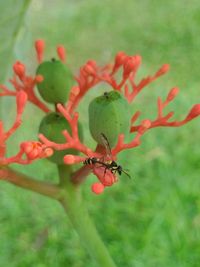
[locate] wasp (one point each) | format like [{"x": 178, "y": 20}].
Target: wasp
[{"x": 108, "y": 164}]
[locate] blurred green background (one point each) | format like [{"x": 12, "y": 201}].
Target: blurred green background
[{"x": 152, "y": 219}]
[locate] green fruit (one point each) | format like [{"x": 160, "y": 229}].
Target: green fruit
[
  {"x": 57, "y": 80},
  {"x": 109, "y": 114},
  {"x": 52, "y": 126}
]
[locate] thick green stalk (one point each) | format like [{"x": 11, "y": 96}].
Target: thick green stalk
[
  {"x": 78, "y": 214},
  {"x": 26, "y": 182}
]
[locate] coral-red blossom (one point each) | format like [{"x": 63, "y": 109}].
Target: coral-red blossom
[
  {"x": 23, "y": 82},
  {"x": 90, "y": 75},
  {"x": 97, "y": 188},
  {"x": 29, "y": 150}
]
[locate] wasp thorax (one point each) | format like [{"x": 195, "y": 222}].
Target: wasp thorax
[
  {"x": 52, "y": 126},
  {"x": 109, "y": 114},
  {"x": 57, "y": 80}
]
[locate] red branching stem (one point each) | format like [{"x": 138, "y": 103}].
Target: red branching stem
[
  {"x": 83, "y": 89},
  {"x": 122, "y": 146},
  {"x": 72, "y": 99},
  {"x": 89, "y": 76},
  {"x": 130, "y": 65},
  {"x": 72, "y": 140},
  {"x": 2, "y": 141},
  {"x": 143, "y": 83},
  {"x": 29, "y": 151},
  {"x": 135, "y": 117},
  {"x": 143, "y": 127},
  {"x": 162, "y": 120},
  {"x": 160, "y": 107},
  {"x": 5, "y": 91},
  {"x": 27, "y": 84},
  {"x": 162, "y": 123},
  {"x": 22, "y": 82},
  {"x": 21, "y": 99},
  {"x": 15, "y": 159},
  {"x": 14, "y": 127}
]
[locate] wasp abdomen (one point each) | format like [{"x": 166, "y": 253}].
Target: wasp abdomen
[{"x": 90, "y": 161}]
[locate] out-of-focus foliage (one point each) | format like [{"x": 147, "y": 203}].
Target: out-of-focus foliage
[{"x": 11, "y": 24}]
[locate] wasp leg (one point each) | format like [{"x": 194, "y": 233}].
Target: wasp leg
[{"x": 105, "y": 172}]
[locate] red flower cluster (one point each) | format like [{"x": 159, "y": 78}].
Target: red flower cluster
[
  {"x": 89, "y": 76},
  {"x": 29, "y": 150}
]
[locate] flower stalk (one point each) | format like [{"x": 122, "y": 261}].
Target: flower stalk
[
  {"x": 21, "y": 180},
  {"x": 74, "y": 207}
]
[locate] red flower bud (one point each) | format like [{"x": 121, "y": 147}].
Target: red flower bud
[
  {"x": 119, "y": 59},
  {"x": 162, "y": 70},
  {"x": 39, "y": 46},
  {"x": 92, "y": 63},
  {"x": 19, "y": 69},
  {"x": 61, "y": 53},
  {"x": 146, "y": 124},
  {"x": 172, "y": 94},
  {"x": 97, "y": 188},
  {"x": 131, "y": 64},
  {"x": 39, "y": 78},
  {"x": 72, "y": 159},
  {"x": 89, "y": 69},
  {"x": 75, "y": 90},
  {"x": 48, "y": 152},
  {"x": 194, "y": 112}
]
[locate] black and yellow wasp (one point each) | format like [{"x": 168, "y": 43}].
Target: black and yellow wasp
[{"x": 108, "y": 164}]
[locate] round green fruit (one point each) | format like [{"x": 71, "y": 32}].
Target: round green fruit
[
  {"x": 109, "y": 114},
  {"x": 57, "y": 80},
  {"x": 52, "y": 126}
]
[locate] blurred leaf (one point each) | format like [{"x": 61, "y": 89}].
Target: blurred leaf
[{"x": 11, "y": 22}]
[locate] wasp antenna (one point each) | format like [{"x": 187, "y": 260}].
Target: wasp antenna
[{"x": 127, "y": 174}]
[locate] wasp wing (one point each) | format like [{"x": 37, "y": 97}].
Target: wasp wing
[{"x": 106, "y": 144}]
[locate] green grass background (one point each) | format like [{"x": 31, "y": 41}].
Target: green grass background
[{"x": 149, "y": 221}]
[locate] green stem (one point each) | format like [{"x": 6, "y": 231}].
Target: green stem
[
  {"x": 78, "y": 214},
  {"x": 23, "y": 181}
]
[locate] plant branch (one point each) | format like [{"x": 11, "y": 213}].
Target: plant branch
[
  {"x": 24, "y": 181},
  {"x": 73, "y": 205}
]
